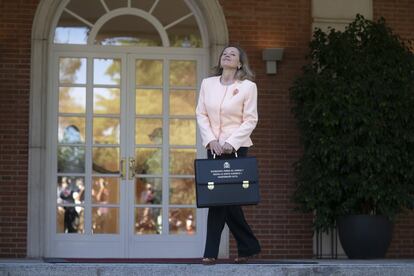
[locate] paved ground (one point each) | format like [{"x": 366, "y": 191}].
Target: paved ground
[{"x": 23, "y": 267}]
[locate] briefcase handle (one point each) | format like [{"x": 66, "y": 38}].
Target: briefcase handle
[{"x": 214, "y": 155}]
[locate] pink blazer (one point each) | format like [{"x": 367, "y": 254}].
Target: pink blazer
[{"x": 227, "y": 113}]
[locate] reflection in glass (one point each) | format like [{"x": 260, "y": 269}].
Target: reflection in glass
[
  {"x": 116, "y": 4},
  {"x": 142, "y": 4},
  {"x": 182, "y": 191},
  {"x": 105, "y": 220},
  {"x": 176, "y": 10},
  {"x": 148, "y": 221},
  {"x": 182, "y": 132},
  {"x": 70, "y": 219},
  {"x": 182, "y": 221},
  {"x": 106, "y": 101},
  {"x": 105, "y": 160},
  {"x": 148, "y": 102},
  {"x": 148, "y": 72},
  {"x": 185, "y": 34},
  {"x": 70, "y": 30},
  {"x": 71, "y": 130},
  {"x": 72, "y": 99},
  {"x": 148, "y": 190},
  {"x": 148, "y": 160},
  {"x": 71, "y": 159},
  {"x": 106, "y": 131},
  {"x": 148, "y": 131},
  {"x": 70, "y": 190},
  {"x": 183, "y": 73},
  {"x": 89, "y": 10},
  {"x": 128, "y": 30},
  {"x": 72, "y": 70},
  {"x": 107, "y": 71},
  {"x": 71, "y": 35},
  {"x": 182, "y": 102},
  {"x": 182, "y": 161},
  {"x": 105, "y": 190}
]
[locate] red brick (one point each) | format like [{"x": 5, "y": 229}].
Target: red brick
[{"x": 271, "y": 23}]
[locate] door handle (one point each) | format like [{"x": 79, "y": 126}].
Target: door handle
[
  {"x": 131, "y": 168},
  {"x": 123, "y": 168}
]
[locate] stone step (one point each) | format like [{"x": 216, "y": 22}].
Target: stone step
[{"x": 23, "y": 267}]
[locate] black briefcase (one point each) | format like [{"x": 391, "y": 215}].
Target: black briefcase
[{"x": 221, "y": 182}]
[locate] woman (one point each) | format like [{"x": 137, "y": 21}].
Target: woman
[{"x": 226, "y": 115}]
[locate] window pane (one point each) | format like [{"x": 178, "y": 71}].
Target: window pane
[
  {"x": 148, "y": 190},
  {"x": 128, "y": 30},
  {"x": 182, "y": 161},
  {"x": 106, "y": 131},
  {"x": 105, "y": 190},
  {"x": 70, "y": 30},
  {"x": 148, "y": 131},
  {"x": 168, "y": 11},
  {"x": 183, "y": 73},
  {"x": 88, "y": 10},
  {"x": 182, "y": 221},
  {"x": 105, "y": 160},
  {"x": 148, "y": 161},
  {"x": 106, "y": 100},
  {"x": 148, "y": 102},
  {"x": 71, "y": 159},
  {"x": 105, "y": 220},
  {"x": 148, "y": 72},
  {"x": 72, "y": 99},
  {"x": 182, "y": 132},
  {"x": 71, "y": 130},
  {"x": 70, "y": 190},
  {"x": 185, "y": 34},
  {"x": 142, "y": 4},
  {"x": 182, "y": 191},
  {"x": 107, "y": 71},
  {"x": 72, "y": 70},
  {"x": 182, "y": 102},
  {"x": 116, "y": 4},
  {"x": 70, "y": 219},
  {"x": 148, "y": 221}
]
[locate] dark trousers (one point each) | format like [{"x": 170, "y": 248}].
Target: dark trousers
[{"x": 247, "y": 244}]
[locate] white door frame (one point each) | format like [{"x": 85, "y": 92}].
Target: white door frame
[{"x": 44, "y": 23}]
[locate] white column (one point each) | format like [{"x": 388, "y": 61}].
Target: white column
[{"x": 336, "y": 14}]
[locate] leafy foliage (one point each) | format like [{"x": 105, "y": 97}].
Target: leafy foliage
[{"x": 354, "y": 104}]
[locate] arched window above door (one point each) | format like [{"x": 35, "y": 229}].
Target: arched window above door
[{"x": 142, "y": 23}]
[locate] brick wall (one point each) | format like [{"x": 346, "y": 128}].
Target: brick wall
[
  {"x": 15, "y": 33},
  {"x": 256, "y": 25},
  {"x": 282, "y": 232},
  {"x": 399, "y": 15}
]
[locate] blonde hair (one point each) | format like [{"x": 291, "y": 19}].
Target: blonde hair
[{"x": 242, "y": 73}]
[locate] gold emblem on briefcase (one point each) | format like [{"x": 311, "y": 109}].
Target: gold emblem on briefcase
[
  {"x": 210, "y": 185},
  {"x": 245, "y": 184}
]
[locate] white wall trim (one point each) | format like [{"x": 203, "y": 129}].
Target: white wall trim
[
  {"x": 338, "y": 14},
  {"x": 216, "y": 27}
]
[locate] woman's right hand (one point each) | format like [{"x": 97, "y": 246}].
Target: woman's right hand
[{"x": 215, "y": 147}]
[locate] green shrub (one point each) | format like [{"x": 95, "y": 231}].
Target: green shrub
[{"x": 354, "y": 104}]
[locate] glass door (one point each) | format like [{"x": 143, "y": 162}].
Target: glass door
[
  {"x": 163, "y": 215},
  {"x": 87, "y": 166},
  {"x": 122, "y": 151}
]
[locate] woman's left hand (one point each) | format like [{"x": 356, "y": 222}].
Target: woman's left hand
[{"x": 227, "y": 148}]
